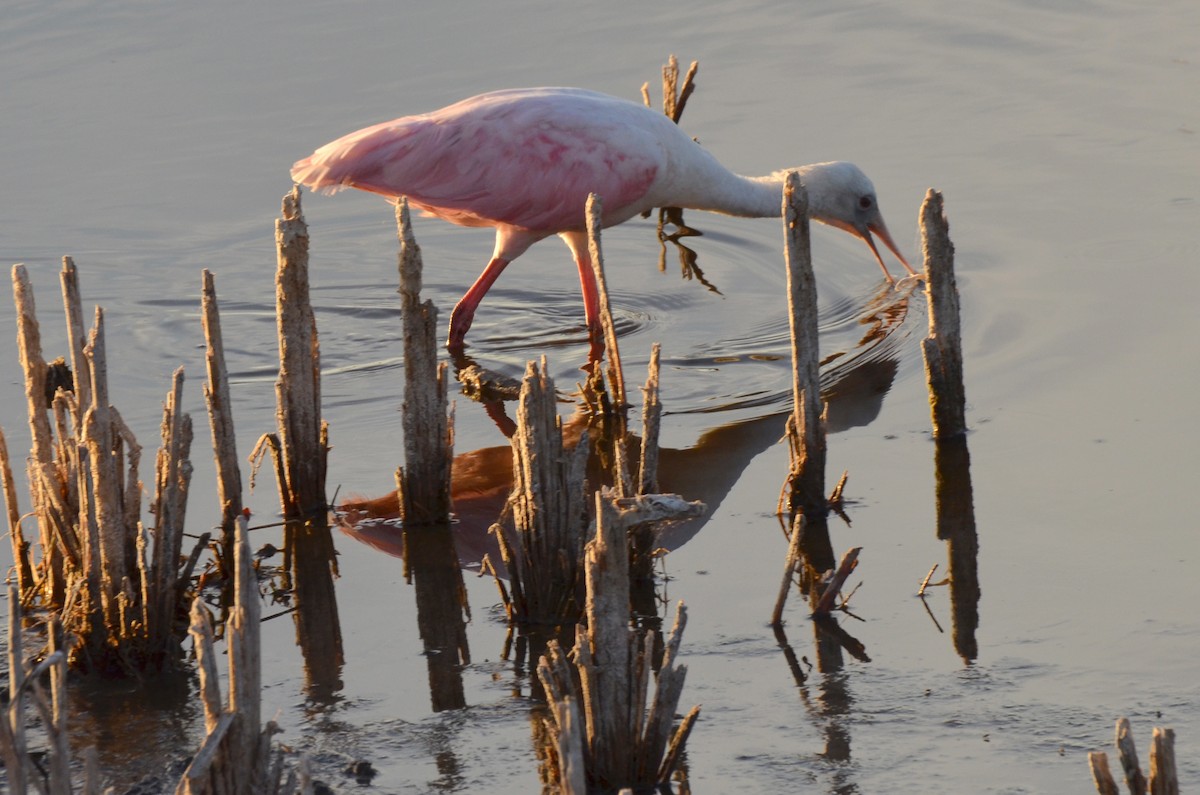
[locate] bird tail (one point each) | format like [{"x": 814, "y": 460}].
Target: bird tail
[
  {"x": 372, "y": 159},
  {"x": 314, "y": 172}
]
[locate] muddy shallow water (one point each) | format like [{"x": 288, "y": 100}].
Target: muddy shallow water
[{"x": 152, "y": 141}]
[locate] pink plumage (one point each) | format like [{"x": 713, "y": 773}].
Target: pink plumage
[
  {"x": 495, "y": 159},
  {"x": 524, "y": 161}
]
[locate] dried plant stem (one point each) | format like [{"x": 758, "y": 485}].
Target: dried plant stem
[
  {"x": 651, "y": 416},
  {"x": 829, "y": 595},
  {"x": 675, "y": 97},
  {"x": 26, "y": 584},
  {"x": 220, "y": 415},
  {"x": 791, "y": 565},
  {"x": 616, "y": 376}
]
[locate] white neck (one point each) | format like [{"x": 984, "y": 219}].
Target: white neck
[{"x": 750, "y": 197}]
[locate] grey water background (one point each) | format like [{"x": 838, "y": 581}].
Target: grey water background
[{"x": 150, "y": 141}]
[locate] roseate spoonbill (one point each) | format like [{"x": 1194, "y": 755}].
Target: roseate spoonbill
[{"x": 524, "y": 161}]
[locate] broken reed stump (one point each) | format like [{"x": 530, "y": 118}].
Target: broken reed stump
[
  {"x": 616, "y": 377},
  {"x": 626, "y": 739},
  {"x": 651, "y": 418},
  {"x": 943, "y": 346},
  {"x": 303, "y": 436},
  {"x": 829, "y": 595},
  {"x": 806, "y": 427},
  {"x": 675, "y": 96},
  {"x": 46, "y": 771},
  {"x": 235, "y": 756},
  {"x": 424, "y": 479},
  {"x": 220, "y": 417},
  {"x": 120, "y": 587},
  {"x": 544, "y": 550},
  {"x": 300, "y": 453},
  {"x": 1164, "y": 780},
  {"x": 809, "y": 538}
]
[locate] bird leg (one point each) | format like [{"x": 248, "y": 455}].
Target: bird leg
[
  {"x": 591, "y": 295},
  {"x": 464, "y": 310}
]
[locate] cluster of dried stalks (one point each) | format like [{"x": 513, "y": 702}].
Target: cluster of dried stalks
[
  {"x": 117, "y": 590},
  {"x": 119, "y": 586}
]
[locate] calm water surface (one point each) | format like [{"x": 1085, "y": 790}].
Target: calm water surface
[{"x": 151, "y": 141}]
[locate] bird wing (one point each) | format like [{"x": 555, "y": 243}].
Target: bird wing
[{"x": 526, "y": 159}]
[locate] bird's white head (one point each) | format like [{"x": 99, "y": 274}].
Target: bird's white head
[{"x": 841, "y": 195}]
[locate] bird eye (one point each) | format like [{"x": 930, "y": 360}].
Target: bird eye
[{"x": 865, "y": 202}]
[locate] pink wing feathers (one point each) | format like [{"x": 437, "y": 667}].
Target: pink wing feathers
[{"x": 525, "y": 158}]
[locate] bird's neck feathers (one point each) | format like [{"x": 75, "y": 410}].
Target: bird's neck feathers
[{"x": 762, "y": 197}]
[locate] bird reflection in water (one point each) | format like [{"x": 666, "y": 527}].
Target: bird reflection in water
[{"x": 854, "y": 383}]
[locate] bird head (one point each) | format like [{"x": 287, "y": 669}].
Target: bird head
[{"x": 841, "y": 195}]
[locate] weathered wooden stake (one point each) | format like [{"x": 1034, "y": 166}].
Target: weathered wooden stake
[
  {"x": 302, "y": 433},
  {"x": 301, "y": 452},
  {"x": 428, "y": 430},
  {"x": 807, "y": 424},
  {"x": 943, "y": 345}
]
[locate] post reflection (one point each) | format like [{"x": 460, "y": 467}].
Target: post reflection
[
  {"x": 956, "y": 526},
  {"x": 431, "y": 565}
]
